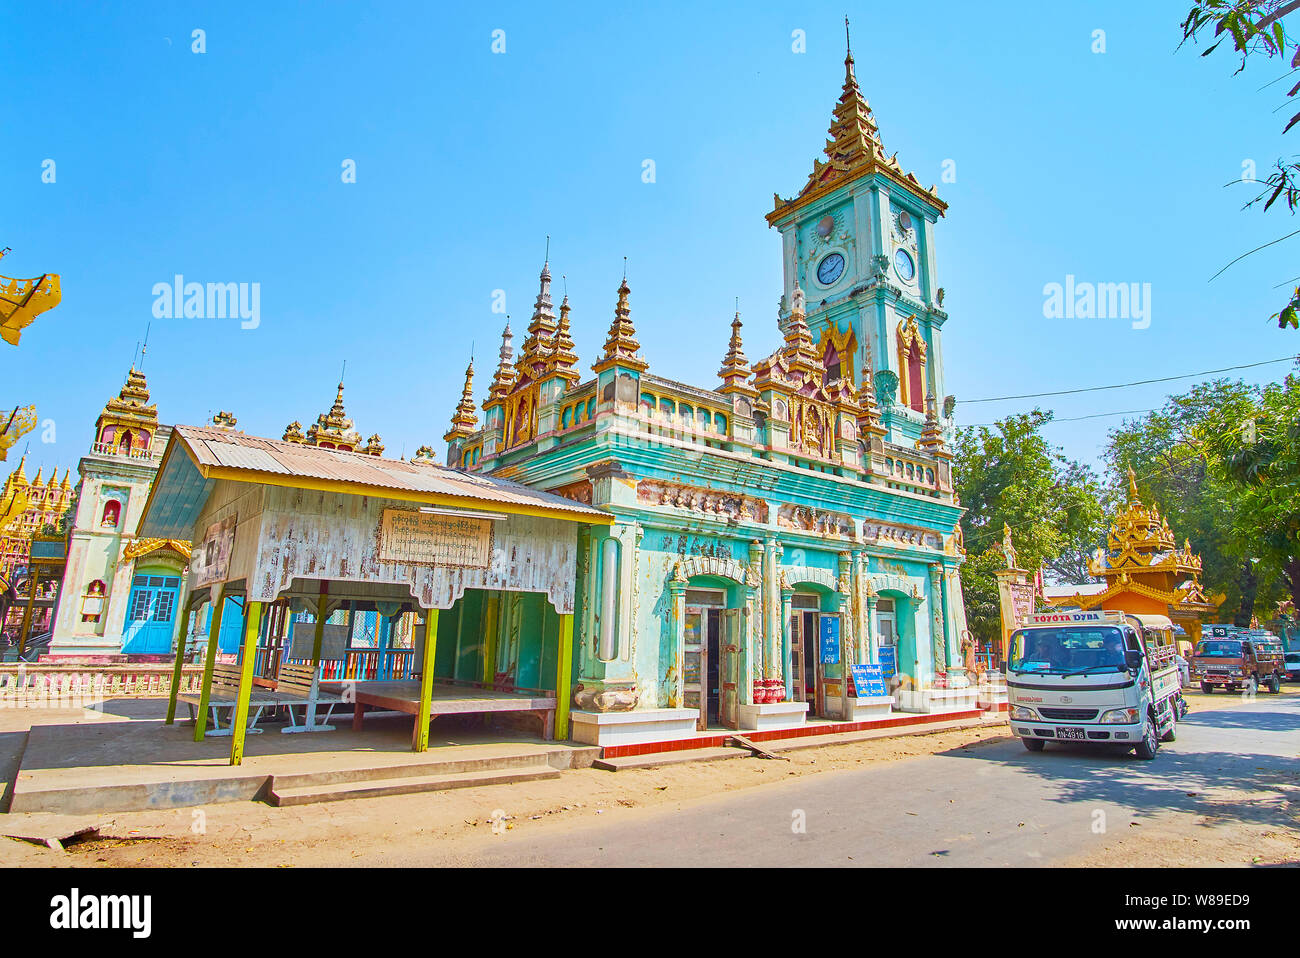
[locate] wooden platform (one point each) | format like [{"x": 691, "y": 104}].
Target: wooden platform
[{"x": 448, "y": 699}]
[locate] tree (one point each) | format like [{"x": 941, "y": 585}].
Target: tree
[
  {"x": 1257, "y": 454},
  {"x": 1256, "y": 29},
  {"x": 1164, "y": 449},
  {"x": 1010, "y": 474}
]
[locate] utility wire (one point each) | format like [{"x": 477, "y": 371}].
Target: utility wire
[
  {"x": 1098, "y": 415},
  {"x": 1140, "y": 382},
  {"x": 994, "y": 534}
]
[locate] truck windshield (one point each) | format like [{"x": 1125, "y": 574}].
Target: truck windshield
[
  {"x": 1067, "y": 649},
  {"x": 1220, "y": 648}
]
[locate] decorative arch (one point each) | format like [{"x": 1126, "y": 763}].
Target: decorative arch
[
  {"x": 724, "y": 568},
  {"x": 793, "y": 575},
  {"x": 908, "y": 585}
]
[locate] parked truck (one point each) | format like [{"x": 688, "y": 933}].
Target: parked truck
[
  {"x": 1100, "y": 678},
  {"x": 1232, "y": 659}
]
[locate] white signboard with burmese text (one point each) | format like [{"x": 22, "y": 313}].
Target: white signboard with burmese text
[{"x": 422, "y": 538}]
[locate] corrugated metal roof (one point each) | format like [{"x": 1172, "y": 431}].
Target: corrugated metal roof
[{"x": 217, "y": 448}]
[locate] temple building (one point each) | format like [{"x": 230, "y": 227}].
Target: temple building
[
  {"x": 25, "y": 508},
  {"x": 120, "y": 592},
  {"x": 775, "y": 528},
  {"x": 1142, "y": 570}
]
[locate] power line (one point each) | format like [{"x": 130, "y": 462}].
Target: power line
[
  {"x": 993, "y": 534},
  {"x": 1098, "y": 415},
  {"x": 1140, "y": 382}
]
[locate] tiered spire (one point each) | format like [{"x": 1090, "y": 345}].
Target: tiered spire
[
  {"x": 799, "y": 351},
  {"x": 540, "y": 343},
  {"x": 869, "y": 416},
  {"x": 374, "y": 446},
  {"x": 853, "y": 134},
  {"x": 465, "y": 420},
  {"x": 932, "y": 435},
  {"x": 504, "y": 378},
  {"x": 425, "y": 456},
  {"x": 334, "y": 429},
  {"x": 563, "y": 360},
  {"x": 735, "y": 371},
  {"x": 621, "y": 347}
]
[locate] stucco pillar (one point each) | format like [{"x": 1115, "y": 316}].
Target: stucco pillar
[
  {"x": 757, "y": 628},
  {"x": 938, "y": 626},
  {"x": 860, "y": 625},
  {"x": 873, "y": 650},
  {"x": 677, "y": 625},
  {"x": 772, "y": 658},
  {"x": 787, "y": 597}
]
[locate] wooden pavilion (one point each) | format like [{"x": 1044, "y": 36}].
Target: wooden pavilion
[{"x": 272, "y": 520}]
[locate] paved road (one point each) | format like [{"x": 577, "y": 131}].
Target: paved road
[{"x": 994, "y": 804}]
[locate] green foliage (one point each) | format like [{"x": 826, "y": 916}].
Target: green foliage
[
  {"x": 1009, "y": 474},
  {"x": 1164, "y": 449},
  {"x": 1256, "y": 29},
  {"x": 1256, "y": 454}
]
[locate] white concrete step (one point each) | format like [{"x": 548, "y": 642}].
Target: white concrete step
[{"x": 306, "y": 795}]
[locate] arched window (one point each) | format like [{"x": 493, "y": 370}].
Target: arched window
[
  {"x": 112, "y": 514},
  {"x": 911, "y": 362}
]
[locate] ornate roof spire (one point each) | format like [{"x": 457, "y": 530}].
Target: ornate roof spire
[
  {"x": 853, "y": 133},
  {"x": 621, "y": 346},
  {"x": 332, "y": 430},
  {"x": 735, "y": 371},
  {"x": 564, "y": 360},
  {"x": 1132, "y": 486},
  {"x": 465, "y": 419},
  {"x": 931, "y": 435},
  {"x": 799, "y": 350},
  {"x": 65, "y": 484},
  {"x": 541, "y": 329},
  {"x": 504, "y": 378}
]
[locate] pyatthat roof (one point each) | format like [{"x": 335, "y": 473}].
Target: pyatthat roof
[{"x": 196, "y": 456}]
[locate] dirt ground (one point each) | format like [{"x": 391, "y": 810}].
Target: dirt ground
[{"x": 457, "y": 822}]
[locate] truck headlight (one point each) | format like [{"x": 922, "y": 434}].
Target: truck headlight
[
  {"x": 1023, "y": 713},
  {"x": 1119, "y": 717}
]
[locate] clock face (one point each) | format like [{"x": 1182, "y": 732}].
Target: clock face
[
  {"x": 903, "y": 263},
  {"x": 830, "y": 269}
]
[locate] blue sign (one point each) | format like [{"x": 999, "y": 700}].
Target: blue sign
[
  {"x": 868, "y": 681},
  {"x": 888, "y": 663},
  {"x": 830, "y": 639}
]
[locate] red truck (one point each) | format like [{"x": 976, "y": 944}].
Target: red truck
[{"x": 1231, "y": 659}]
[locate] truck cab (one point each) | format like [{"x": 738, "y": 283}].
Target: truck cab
[
  {"x": 1231, "y": 658},
  {"x": 1101, "y": 678}
]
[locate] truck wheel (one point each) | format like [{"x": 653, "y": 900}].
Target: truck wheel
[
  {"x": 1150, "y": 744},
  {"x": 1274, "y": 684},
  {"x": 1033, "y": 744},
  {"x": 1172, "y": 733},
  {"x": 1207, "y": 688}
]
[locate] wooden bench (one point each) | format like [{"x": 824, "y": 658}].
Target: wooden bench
[
  {"x": 298, "y": 686},
  {"x": 224, "y": 694}
]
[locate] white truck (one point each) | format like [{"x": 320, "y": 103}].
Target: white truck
[{"x": 1103, "y": 678}]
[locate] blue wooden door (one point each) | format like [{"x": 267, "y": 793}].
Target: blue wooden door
[{"x": 151, "y": 614}]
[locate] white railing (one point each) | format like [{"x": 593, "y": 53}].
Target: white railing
[
  {"x": 37, "y": 684},
  {"x": 109, "y": 449}
]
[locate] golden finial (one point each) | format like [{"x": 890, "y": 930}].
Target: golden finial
[{"x": 1132, "y": 485}]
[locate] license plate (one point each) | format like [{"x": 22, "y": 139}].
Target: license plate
[{"x": 1070, "y": 733}]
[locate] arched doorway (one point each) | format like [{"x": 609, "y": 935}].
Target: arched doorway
[{"x": 711, "y": 646}]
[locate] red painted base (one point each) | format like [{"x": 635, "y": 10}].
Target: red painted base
[{"x": 720, "y": 739}]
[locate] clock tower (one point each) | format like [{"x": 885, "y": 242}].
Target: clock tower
[{"x": 858, "y": 240}]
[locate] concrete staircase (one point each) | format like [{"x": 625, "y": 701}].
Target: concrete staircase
[{"x": 406, "y": 779}]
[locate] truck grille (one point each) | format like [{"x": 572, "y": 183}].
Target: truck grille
[{"x": 1069, "y": 715}]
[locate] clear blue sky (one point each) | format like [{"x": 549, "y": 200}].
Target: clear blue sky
[{"x": 225, "y": 167}]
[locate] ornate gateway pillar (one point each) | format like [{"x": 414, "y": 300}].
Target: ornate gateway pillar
[{"x": 938, "y": 628}]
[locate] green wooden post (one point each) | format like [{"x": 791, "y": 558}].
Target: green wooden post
[
  {"x": 239, "y": 722},
  {"x": 180, "y": 663},
  {"x": 319, "y": 638},
  {"x": 218, "y": 598},
  {"x": 420, "y": 736},
  {"x": 564, "y": 677}
]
